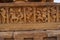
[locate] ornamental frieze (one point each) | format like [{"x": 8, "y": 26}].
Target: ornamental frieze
[{"x": 29, "y": 14}]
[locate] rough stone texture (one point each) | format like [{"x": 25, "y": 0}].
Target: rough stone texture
[
  {"x": 41, "y": 26},
  {"x": 27, "y": 34},
  {"x": 49, "y": 25},
  {"x": 31, "y": 19},
  {"x": 58, "y": 37},
  {"x": 5, "y": 34},
  {"x": 36, "y": 35},
  {"x": 53, "y": 32}
]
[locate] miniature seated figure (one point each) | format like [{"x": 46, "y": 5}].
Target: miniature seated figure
[{"x": 6, "y": 1}]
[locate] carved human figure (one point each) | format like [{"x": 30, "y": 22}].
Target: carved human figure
[
  {"x": 29, "y": 14},
  {"x": 53, "y": 14},
  {"x": 3, "y": 14},
  {"x": 39, "y": 15},
  {"x": 20, "y": 15},
  {"x": 14, "y": 18},
  {"x": 44, "y": 14}
]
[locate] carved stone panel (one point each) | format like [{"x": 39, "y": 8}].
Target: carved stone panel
[
  {"x": 16, "y": 15},
  {"x": 29, "y": 14},
  {"x": 41, "y": 14},
  {"x": 3, "y": 15}
]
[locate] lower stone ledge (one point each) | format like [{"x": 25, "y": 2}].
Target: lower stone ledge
[{"x": 31, "y": 26}]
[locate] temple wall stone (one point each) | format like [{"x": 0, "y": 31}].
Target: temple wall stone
[{"x": 30, "y": 21}]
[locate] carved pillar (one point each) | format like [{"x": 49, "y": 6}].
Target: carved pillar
[
  {"x": 34, "y": 14},
  {"x": 48, "y": 14},
  {"x": 57, "y": 14}
]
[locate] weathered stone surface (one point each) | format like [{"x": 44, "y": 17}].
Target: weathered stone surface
[
  {"x": 53, "y": 33},
  {"x": 35, "y": 26},
  {"x": 23, "y": 20},
  {"x": 35, "y": 16},
  {"x": 36, "y": 35},
  {"x": 5, "y": 34},
  {"x": 58, "y": 37}
]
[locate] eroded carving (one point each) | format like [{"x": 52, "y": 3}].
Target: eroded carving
[
  {"x": 16, "y": 15},
  {"x": 3, "y": 15},
  {"x": 40, "y": 14},
  {"x": 29, "y": 14},
  {"x": 53, "y": 13}
]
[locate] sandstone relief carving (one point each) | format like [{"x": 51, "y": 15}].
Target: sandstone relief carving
[
  {"x": 3, "y": 15},
  {"x": 28, "y": 14},
  {"x": 42, "y": 14},
  {"x": 53, "y": 13}
]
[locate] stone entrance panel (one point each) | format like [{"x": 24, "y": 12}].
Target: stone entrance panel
[{"x": 29, "y": 35}]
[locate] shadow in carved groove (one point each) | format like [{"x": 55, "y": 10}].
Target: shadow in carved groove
[
  {"x": 50, "y": 38},
  {"x": 8, "y": 38}
]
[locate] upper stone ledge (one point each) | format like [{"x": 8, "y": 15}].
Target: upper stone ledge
[{"x": 29, "y": 4}]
